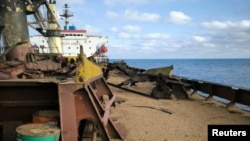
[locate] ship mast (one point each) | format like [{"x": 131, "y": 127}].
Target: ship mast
[{"x": 66, "y": 14}]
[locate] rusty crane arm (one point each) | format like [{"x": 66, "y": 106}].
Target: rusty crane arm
[{"x": 40, "y": 15}]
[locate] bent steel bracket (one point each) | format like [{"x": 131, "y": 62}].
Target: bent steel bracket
[{"x": 82, "y": 102}]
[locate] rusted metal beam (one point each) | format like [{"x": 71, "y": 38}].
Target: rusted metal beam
[
  {"x": 25, "y": 103},
  {"x": 76, "y": 102},
  {"x": 231, "y": 93},
  {"x": 82, "y": 103}
]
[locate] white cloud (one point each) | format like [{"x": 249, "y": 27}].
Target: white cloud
[
  {"x": 210, "y": 45},
  {"x": 199, "y": 38},
  {"x": 91, "y": 29},
  {"x": 228, "y": 36},
  {"x": 131, "y": 34},
  {"x": 114, "y": 29},
  {"x": 131, "y": 28},
  {"x": 129, "y": 2},
  {"x": 111, "y": 14},
  {"x": 124, "y": 35},
  {"x": 179, "y": 17},
  {"x": 244, "y": 24},
  {"x": 136, "y": 16},
  {"x": 216, "y": 24},
  {"x": 148, "y": 47},
  {"x": 156, "y": 36},
  {"x": 70, "y": 2}
]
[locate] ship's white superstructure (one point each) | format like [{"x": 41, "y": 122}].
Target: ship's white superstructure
[{"x": 71, "y": 42}]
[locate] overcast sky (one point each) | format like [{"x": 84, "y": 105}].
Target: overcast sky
[{"x": 166, "y": 28}]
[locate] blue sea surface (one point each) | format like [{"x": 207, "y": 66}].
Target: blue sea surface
[{"x": 231, "y": 72}]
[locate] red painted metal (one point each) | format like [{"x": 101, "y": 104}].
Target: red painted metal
[
  {"x": 19, "y": 99},
  {"x": 82, "y": 103}
]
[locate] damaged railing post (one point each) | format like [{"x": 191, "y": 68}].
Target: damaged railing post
[{"x": 231, "y": 104}]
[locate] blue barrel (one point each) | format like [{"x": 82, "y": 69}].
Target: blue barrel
[{"x": 37, "y": 132}]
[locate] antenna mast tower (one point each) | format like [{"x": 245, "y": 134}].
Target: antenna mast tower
[{"x": 66, "y": 14}]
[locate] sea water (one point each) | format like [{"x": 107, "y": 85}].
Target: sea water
[{"x": 232, "y": 72}]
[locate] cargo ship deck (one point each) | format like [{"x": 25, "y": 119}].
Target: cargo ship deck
[{"x": 141, "y": 118}]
